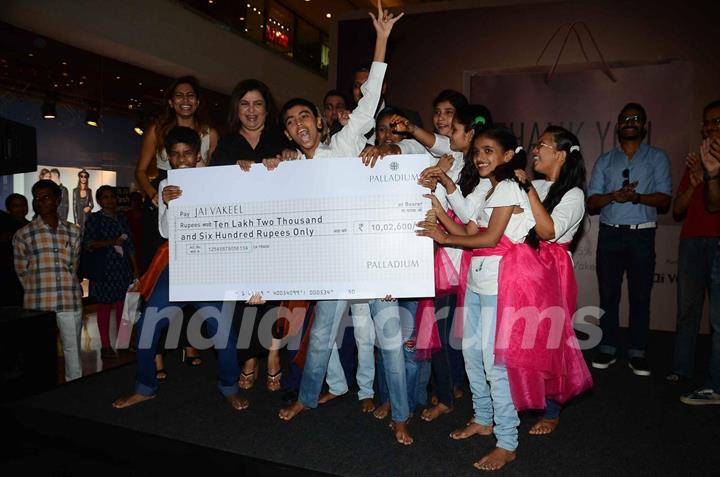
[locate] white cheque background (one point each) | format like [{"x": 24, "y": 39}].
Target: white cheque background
[{"x": 364, "y": 247}]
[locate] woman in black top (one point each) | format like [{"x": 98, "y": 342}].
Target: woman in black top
[
  {"x": 254, "y": 134},
  {"x": 254, "y": 137}
]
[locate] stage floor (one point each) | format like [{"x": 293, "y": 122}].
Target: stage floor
[{"x": 628, "y": 425}]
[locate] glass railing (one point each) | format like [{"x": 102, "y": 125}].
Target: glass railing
[{"x": 273, "y": 25}]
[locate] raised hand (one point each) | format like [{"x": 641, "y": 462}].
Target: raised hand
[
  {"x": 437, "y": 173},
  {"x": 710, "y": 155},
  {"x": 400, "y": 124},
  {"x": 522, "y": 176},
  {"x": 695, "y": 170},
  {"x": 384, "y": 21},
  {"x": 446, "y": 161}
]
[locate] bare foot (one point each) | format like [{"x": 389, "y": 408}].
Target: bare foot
[
  {"x": 326, "y": 397},
  {"x": 432, "y": 413},
  {"x": 544, "y": 426},
  {"x": 495, "y": 460},
  {"x": 291, "y": 411},
  {"x": 382, "y": 411},
  {"x": 130, "y": 400},
  {"x": 402, "y": 434},
  {"x": 237, "y": 402},
  {"x": 471, "y": 429},
  {"x": 367, "y": 405}
]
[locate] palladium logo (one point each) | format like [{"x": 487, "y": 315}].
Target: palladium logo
[{"x": 394, "y": 166}]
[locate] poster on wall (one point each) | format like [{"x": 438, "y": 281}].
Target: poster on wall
[
  {"x": 78, "y": 188},
  {"x": 587, "y": 103}
]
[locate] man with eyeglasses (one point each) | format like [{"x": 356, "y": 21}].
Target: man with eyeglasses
[
  {"x": 628, "y": 186},
  {"x": 698, "y": 199}
]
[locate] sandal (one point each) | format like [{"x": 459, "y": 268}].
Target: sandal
[
  {"x": 272, "y": 381},
  {"x": 191, "y": 360},
  {"x": 247, "y": 380},
  {"x": 161, "y": 375}
]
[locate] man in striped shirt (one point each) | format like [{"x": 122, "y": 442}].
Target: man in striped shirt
[{"x": 46, "y": 258}]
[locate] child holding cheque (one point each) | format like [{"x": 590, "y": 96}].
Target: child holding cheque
[
  {"x": 183, "y": 149},
  {"x": 303, "y": 125}
]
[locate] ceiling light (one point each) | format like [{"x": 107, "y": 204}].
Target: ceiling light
[
  {"x": 92, "y": 118},
  {"x": 48, "y": 107},
  {"x": 328, "y": 15},
  {"x": 139, "y": 127}
]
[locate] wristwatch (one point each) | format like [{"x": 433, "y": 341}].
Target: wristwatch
[
  {"x": 708, "y": 177},
  {"x": 636, "y": 199}
]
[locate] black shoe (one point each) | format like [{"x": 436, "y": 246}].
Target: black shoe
[
  {"x": 290, "y": 396},
  {"x": 639, "y": 366},
  {"x": 603, "y": 360}
]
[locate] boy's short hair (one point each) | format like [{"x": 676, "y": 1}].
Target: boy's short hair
[
  {"x": 182, "y": 135},
  {"x": 47, "y": 184},
  {"x": 55, "y": 170}
]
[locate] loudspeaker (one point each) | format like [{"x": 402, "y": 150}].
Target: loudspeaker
[{"x": 18, "y": 147}]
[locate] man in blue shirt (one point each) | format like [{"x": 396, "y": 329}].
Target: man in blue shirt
[{"x": 628, "y": 186}]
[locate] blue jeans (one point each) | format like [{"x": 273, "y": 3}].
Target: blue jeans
[
  {"x": 620, "y": 251},
  {"x": 552, "y": 409},
  {"x": 322, "y": 336},
  {"x": 416, "y": 373},
  {"x": 695, "y": 267},
  {"x": 217, "y": 318},
  {"x": 364, "y": 332},
  {"x": 489, "y": 382}
]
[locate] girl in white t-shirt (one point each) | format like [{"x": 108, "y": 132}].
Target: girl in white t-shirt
[
  {"x": 558, "y": 207},
  {"x": 504, "y": 221},
  {"x": 461, "y": 192}
]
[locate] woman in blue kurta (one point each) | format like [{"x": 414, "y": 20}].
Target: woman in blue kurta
[{"x": 108, "y": 238}]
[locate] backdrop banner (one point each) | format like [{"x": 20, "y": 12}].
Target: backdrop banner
[{"x": 587, "y": 103}]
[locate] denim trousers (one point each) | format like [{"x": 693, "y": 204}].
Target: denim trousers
[
  {"x": 417, "y": 373},
  {"x": 696, "y": 259},
  {"x": 489, "y": 384},
  {"x": 160, "y": 313},
  {"x": 386, "y": 319},
  {"x": 620, "y": 251},
  {"x": 364, "y": 332}
]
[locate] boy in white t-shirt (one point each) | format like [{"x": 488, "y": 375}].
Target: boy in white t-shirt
[{"x": 183, "y": 148}]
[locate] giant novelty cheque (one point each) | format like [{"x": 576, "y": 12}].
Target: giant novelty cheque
[{"x": 310, "y": 229}]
